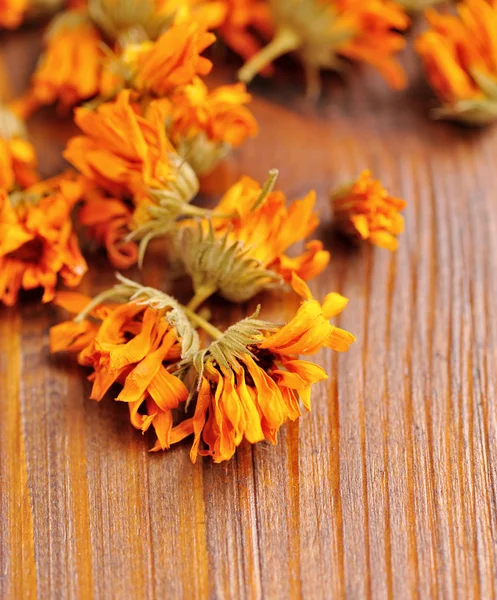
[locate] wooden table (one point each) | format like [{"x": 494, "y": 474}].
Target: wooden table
[{"x": 388, "y": 488}]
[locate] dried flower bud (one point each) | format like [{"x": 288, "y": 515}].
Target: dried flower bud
[
  {"x": 222, "y": 264},
  {"x": 366, "y": 211},
  {"x": 462, "y": 73},
  {"x": 202, "y": 154}
]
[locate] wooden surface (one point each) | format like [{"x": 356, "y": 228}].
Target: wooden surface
[{"x": 388, "y": 488}]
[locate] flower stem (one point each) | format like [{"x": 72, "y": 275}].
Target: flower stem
[
  {"x": 267, "y": 189},
  {"x": 201, "y": 296},
  {"x": 285, "y": 41},
  {"x": 214, "y": 332}
]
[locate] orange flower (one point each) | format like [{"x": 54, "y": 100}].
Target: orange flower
[
  {"x": 71, "y": 67},
  {"x": 134, "y": 346},
  {"x": 243, "y": 252},
  {"x": 366, "y": 210},
  {"x": 463, "y": 72},
  {"x": 17, "y": 155},
  {"x": 126, "y": 153},
  {"x": 172, "y": 61},
  {"x": 12, "y": 13},
  {"x": 251, "y": 382},
  {"x": 322, "y": 31},
  {"x": 108, "y": 222},
  {"x": 204, "y": 125},
  {"x": 37, "y": 242}
]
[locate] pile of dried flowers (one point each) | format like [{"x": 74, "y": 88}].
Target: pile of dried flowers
[{"x": 133, "y": 74}]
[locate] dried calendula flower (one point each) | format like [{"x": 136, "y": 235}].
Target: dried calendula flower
[
  {"x": 126, "y": 153},
  {"x": 366, "y": 211},
  {"x": 251, "y": 380},
  {"x": 242, "y": 251},
  {"x": 135, "y": 337},
  {"x": 12, "y": 13},
  {"x": 108, "y": 222},
  {"x": 205, "y": 125},
  {"x": 17, "y": 156},
  {"x": 70, "y": 68},
  {"x": 322, "y": 32},
  {"x": 37, "y": 241},
  {"x": 459, "y": 58},
  {"x": 159, "y": 67}
]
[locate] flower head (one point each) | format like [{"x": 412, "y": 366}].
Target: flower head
[
  {"x": 108, "y": 221},
  {"x": 17, "y": 155},
  {"x": 251, "y": 380},
  {"x": 463, "y": 72},
  {"x": 323, "y": 31},
  {"x": 71, "y": 67},
  {"x": 243, "y": 252},
  {"x": 12, "y": 13},
  {"x": 126, "y": 153},
  {"x": 204, "y": 125},
  {"x": 366, "y": 210},
  {"x": 172, "y": 61},
  {"x": 128, "y": 339},
  {"x": 37, "y": 242}
]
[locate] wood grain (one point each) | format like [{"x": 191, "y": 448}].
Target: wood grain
[{"x": 387, "y": 489}]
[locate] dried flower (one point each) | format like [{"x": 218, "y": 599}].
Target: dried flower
[
  {"x": 71, "y": 67},
  {"x": 463, "y": 73},
  {"x": 170, "y": 62},
  {"x": 108, "y": 222},
  {"x": 243, "y": 252},
  {"x": 204, "y": 125},
  {"x": 126, "y": 153},
  {"x": 141, "y": 337},
  {"x": 251, "y": 380},
  {"x": 17, "y": 155},
  {"x": 37, "y": 242},
  {"x": 365, "y": 210},
  {"x": 12, "y": 13},
  {"x": 323, "y": 31}
]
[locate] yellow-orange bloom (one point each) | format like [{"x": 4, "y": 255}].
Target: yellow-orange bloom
[
  {"x": 322, "y": 31},
  {"x": 71, "y": 66},
  {"x": 37, "y": 242},
  {"x": 108, "y": 221},
  {"x": 12, "y": 13},
  {"x": 460, "y": 60},
  {"x": 366, "y": 210},
  {"x": 134, "y": 346},
  {"x": 252, "y": 382},
  {"x": 126, "y": 153},
  {"x": 244, "y": 252},
  {"x": 172, "y": 61},
  {"x": 204, "y": 125},
  {"x": 17, "y": 156}
]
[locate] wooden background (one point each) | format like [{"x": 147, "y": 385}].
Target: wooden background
[{"x": 386, "y": 489}]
